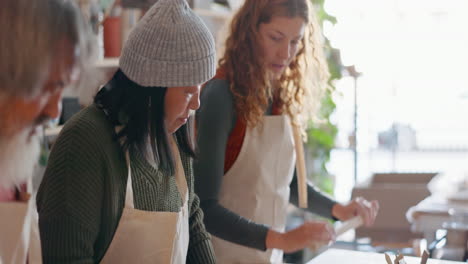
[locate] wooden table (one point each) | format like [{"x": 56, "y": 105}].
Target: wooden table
[{"x": 340, "y": 256}]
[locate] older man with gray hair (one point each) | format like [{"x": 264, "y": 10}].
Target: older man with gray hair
[{"x": 44, "y": 46}]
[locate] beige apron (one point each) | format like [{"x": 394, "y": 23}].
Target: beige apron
[
  {"x": 19, "y": 232},
  {"x": 257, "y": 186},
  {"x": 151, "y": 237}
]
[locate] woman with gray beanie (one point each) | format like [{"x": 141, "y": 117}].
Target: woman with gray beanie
[{"x": 119, "y": 184}]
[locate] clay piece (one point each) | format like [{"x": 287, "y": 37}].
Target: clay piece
[
  {"x": 388, "y": 259},
  {"x": 424, "y": 257},
  {"x": 400, "y": 259}
]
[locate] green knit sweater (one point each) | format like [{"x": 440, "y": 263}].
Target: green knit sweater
[{"x": 82, "y": 195}]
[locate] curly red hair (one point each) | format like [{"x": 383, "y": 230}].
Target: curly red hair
[{"x": 302, "y": 83}]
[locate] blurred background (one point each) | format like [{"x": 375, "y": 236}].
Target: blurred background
[{"x": 393, "y": 123}]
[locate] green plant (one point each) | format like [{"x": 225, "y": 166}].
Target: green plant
[{"x": 321, "y": 135}]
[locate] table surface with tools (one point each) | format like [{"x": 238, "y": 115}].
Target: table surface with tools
[{"x": 357, "y": 257}]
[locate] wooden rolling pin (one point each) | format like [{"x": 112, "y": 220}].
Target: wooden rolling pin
[{"x": 300, "y": 167}]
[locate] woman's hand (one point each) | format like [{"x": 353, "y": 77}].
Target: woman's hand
[
  {"x": 366, "y": 209},
  {"x": 299, "y": 238}
]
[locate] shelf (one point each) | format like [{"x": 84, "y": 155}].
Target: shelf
[{"x": 211, "y": 14}]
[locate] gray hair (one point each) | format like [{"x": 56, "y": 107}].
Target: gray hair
[{"x": 30, "y": 31}]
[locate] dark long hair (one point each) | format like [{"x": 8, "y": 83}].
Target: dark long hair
[{"x": 140, "y": 112}]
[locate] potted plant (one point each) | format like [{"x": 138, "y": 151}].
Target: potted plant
[{"x": 321, "y": 135}]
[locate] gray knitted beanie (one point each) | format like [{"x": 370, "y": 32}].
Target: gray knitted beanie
[{"x": 170, "y": 46}]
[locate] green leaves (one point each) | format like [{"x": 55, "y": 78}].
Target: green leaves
[{"x": 321, "y": 135}]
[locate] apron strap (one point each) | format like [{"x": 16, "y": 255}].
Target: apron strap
[
  {"x": 180, "y": 178},
  {"x": 129, "y": 193},
  {"x": 300, "y": 166}
]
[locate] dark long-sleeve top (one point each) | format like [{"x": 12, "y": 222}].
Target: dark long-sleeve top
[
  {"x": 81, "y": 198},
  {"x": 216, "y": 120}
]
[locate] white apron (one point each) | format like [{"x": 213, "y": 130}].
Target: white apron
[
  {"x": 257, "y": 186},
  {"x": 19, "y": 232},
  {"x": 152, "y": 237}
]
